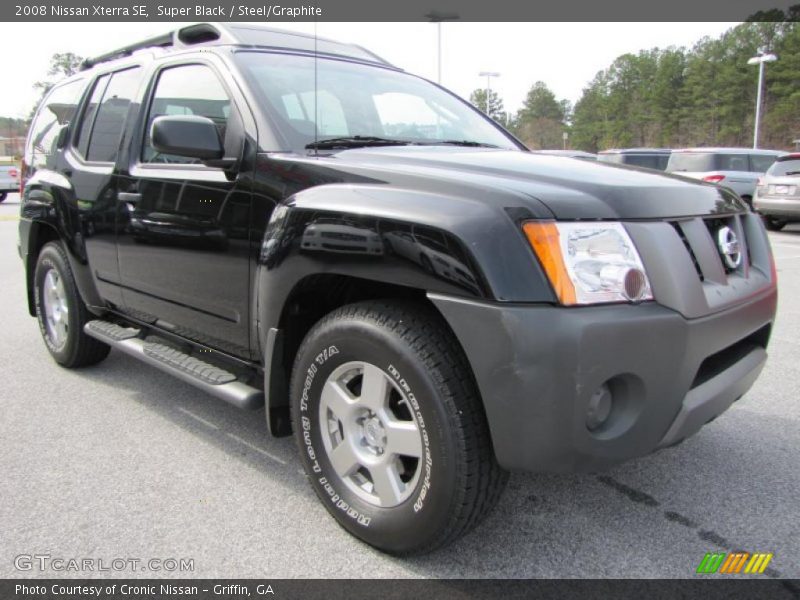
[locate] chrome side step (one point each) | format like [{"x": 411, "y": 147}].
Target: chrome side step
[{"x": 209, "y": 378}]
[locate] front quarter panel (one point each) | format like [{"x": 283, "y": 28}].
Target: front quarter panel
[{"x": 404, "y": 237}]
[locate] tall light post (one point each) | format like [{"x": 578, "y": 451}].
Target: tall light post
[
  {"x": 763, "y": 57},
  {"x": 437, "y": 17},
  {"x": 488, "y": 75}
]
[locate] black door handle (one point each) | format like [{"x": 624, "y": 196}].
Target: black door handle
[{"x": 131, "y": 198}]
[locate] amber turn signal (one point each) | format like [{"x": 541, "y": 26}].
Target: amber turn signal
[{"x": 544, "y": 239}]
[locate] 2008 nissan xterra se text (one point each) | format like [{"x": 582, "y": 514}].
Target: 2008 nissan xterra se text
[{"x": 426, "y": 305}]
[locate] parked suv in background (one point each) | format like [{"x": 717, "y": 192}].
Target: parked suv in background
[
  {"x": 735, "y": 168},
  {"x": 297, "y": 224},
  {"x": 649, "y": 158},
  {"x": 9, "y": 177},
  {"x": 778, "y": 193}
]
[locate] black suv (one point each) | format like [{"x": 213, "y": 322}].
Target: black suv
[{"x": 426, "y": 305}]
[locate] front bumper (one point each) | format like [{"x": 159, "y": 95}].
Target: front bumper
[
  {"x": 787, "y": 207},
  {"x": 538, "y": 366}
]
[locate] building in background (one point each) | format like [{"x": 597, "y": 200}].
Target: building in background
[{"x": 11, "y": 146}]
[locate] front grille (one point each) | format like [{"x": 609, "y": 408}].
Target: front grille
[
  {"x": 700, "y": 237},
  {"x": 336, "y": 235},
  {"x": 688, "y": 247},
  {"x": 714, "y": 226}
]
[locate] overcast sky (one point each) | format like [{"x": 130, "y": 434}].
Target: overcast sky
[{"x": 563, "y": 55}]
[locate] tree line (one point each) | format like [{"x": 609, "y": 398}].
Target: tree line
[{"x": 675, "y": 97}]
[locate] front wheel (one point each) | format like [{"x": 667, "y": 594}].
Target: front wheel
[
  {"x": 61, "y": 312},
  {"x": 391, "y": 429}
]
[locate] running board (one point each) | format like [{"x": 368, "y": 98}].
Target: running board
[{"x": 209, "y": 378}]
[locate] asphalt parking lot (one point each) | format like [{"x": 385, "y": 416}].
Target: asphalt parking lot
[{"x": 121, "y": 460}]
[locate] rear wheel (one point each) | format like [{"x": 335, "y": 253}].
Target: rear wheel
[
  {"x": 391, "y": 429},
  {"x": 774, "y": 224},
  {"x": 61, "y": 312},
  {"x": 3, "y": 196}
]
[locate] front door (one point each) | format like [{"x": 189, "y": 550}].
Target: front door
[{"x": 182, "y": 239}]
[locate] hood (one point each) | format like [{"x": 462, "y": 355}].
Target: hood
[{"x": 569, "y": 188}]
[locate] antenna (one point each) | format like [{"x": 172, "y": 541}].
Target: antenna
[{"x": 316, "y": 109}]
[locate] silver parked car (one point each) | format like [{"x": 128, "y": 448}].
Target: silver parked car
[
  {"x": 735, "y": 168},
  {"x": 777, "y": 196},
  {"x": 9, "y": 178}
]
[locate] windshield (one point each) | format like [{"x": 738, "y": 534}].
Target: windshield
[
  {"x": 352, "y": 100},
  {"x": 785, "y": 167}
]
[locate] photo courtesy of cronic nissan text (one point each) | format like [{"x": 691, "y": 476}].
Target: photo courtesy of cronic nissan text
[{"x": 434, "y": 299}]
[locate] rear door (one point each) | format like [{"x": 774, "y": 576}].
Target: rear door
[
  {"x": 91, "y": 160},
  {"x": 738, "y": 176},
  {"x": 182, "y": 234}
]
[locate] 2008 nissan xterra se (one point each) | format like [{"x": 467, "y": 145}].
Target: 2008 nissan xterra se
[{"x": 426, "y": 305}]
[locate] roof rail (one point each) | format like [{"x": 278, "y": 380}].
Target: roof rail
[
  {"x": 243, "y": 34},
  {"x": 163, "y": 41}
]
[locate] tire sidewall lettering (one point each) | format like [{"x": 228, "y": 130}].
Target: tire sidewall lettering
[
  {"x": 316, "y": 373},
  {"x": 46, "y": 264}
]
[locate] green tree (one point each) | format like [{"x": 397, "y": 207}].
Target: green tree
[
  {"x": 700, "y": 96},
  {"x": 494, "y": 107},
  {"x": 542, "y": 120},
  {"x": 62, "y": 64}
]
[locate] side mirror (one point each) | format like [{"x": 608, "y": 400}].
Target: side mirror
[{"x": 195, "y": 137}]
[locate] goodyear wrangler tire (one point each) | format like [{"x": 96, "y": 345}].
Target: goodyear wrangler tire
[{"x": 390, "y": 427}]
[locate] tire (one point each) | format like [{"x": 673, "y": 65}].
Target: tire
[
  {"x": 774, "y": 224},
  {"x": 453, "y": 482},
  {"x": 54, "y": 290},
  {"x": 3, "y": 196}
]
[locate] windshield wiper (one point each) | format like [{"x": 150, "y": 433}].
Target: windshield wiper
[
  {"x": 355, "y": 141},
  {"x": 467, "y": 143},
  {"x": 792, "y": 172}
]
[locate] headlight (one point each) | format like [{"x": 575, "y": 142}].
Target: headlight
[{"x": 589, "y": 263}]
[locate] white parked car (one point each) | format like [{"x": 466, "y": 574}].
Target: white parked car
[{"x": 777, "y": 196}]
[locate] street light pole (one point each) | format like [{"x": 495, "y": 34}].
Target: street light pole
[
  {"x": 488, "y": 75},
  {"x": 437, "y": 17},
  {"x": 759, "y": 60}
]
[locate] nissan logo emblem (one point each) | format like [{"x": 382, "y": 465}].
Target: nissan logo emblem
[{"x": 729, "y": 248}]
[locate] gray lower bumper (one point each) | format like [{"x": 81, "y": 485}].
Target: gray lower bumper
[
  {"x": 538, "y": 366},
  {"x": 788, "y": 208}
]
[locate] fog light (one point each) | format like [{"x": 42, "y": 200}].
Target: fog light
[{"x": 599, "y": 407}]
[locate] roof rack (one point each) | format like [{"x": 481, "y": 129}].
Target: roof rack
[
  {"x": 242, "y": 34},
  {"x": 163, "y": 41}
]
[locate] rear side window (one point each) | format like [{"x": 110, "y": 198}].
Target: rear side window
[
  {"x": 690, "y": 162},
  {"x": 648, "y": 161},
  {"x": 785, "y": 168},
  {"x": 55, "y": 113},
  {"x": 759, "y": 163},
  {"x": 89, "y": 113},
  {"x": 111, "y": 114},
  {"x": 186, "y": 90},
  {"x": 732, "y": 162}
]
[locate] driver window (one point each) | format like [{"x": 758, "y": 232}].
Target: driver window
[{"x": 186, "y": 90}]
